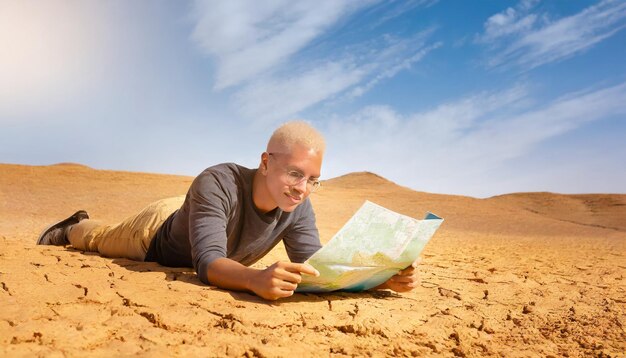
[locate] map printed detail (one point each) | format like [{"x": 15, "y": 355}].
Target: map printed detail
[{"x": 375, "y": 244}]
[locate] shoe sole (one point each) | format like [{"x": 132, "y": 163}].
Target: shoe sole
[{"x": 74, "y": 219}]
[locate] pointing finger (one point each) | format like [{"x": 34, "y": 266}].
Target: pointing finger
[{"x": 302, "y": 268}]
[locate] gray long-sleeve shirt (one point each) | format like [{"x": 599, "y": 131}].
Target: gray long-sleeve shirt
[{"x": 219, "y": 219}]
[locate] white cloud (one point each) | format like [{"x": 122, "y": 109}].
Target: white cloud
[
  {"x": 454, "y": 147},
  {"x": 519, "y": 39},
  {"x": 399, "y": 8},
  {"x": 378, "y": 136},
  {"x": 249, "y": 38},
  {"x": 512, "y": 21},
  {"x": 355, "y": 71},
  {"x": 254, "y": 42},
  {"x": 393, "y": 64},
  {"x": 516, "y": 135},
  {"x": 279, "y": 98},
  {"x": 507, "y": 23}
]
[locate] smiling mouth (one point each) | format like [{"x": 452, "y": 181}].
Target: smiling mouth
[{"x": 294, "y": 198}]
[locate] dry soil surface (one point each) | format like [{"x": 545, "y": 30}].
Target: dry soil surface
[{"x": 525, "y": 274}]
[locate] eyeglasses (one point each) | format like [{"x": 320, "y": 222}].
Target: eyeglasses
[{"x": 294, "y": 177}]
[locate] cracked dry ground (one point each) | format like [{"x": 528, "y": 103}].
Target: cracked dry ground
[{"x": 499, "y": 279}]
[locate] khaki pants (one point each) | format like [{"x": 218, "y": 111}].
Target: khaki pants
[{"x": 130, "y": 238}]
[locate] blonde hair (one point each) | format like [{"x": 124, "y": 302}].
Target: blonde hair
[{"x": 297, "y": 132}]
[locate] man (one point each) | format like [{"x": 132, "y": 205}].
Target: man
[{"x": 230, "y": 218}]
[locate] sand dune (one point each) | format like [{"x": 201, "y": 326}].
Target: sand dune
[
  {"x": 525, "y": 274},
  {"x": 598, "y": 210}
]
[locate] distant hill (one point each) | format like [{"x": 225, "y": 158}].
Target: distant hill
[
  {"x": 600, "y": 210},
  {"x": 34, "y": 194}
]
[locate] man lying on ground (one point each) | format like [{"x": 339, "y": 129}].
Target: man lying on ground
[{"x": 230, "y": 218}]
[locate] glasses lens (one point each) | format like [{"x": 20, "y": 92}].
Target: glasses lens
[{"x": 294, "y": 178}]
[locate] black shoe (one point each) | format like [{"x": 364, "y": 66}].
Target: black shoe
[{"x": 56, "y": 234}]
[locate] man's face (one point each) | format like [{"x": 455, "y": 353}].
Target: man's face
[{"x": 290, "y": 175}]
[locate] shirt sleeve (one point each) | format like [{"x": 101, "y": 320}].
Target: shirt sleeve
[
  {"x": 208, "y": 207},
  {"x": 303, "y": 240}
]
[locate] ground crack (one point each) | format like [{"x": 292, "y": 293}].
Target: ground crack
[
  {"x": 153, "y": 319},
  {"x": 6, "y": 288},
  {"x": 127, "y": 302}
]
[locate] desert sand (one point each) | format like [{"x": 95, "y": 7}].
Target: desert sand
[{"x": 519, "y": 275}]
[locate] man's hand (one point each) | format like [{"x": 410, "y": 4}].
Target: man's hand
[
  {"x": 276, "y": 281},
  {"x": 279, "y": 280},
  {"x": 403, "y": 281}
]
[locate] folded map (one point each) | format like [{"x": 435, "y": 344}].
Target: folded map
[{"x": 375, "y": 244}]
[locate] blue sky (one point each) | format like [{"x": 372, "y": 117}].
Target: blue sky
[{"x": 460, "y": 97}]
